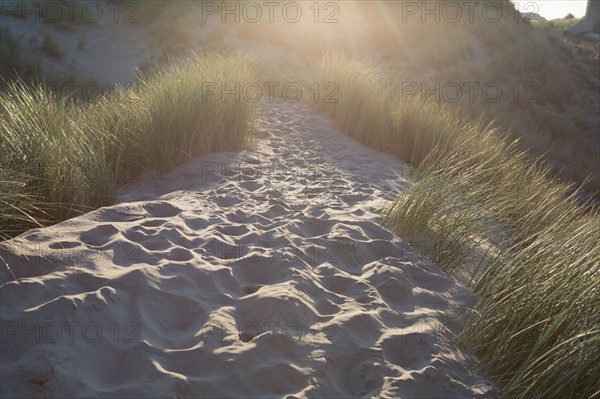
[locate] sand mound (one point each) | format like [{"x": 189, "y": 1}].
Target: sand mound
[{"x": 261, "y": 273}]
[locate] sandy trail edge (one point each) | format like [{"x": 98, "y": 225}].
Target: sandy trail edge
[{"x": 260, "y": 273}]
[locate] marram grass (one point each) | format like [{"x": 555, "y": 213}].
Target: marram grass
[
  {"x": 60, "y": 158},
  {"x": 536, "y": 327}
]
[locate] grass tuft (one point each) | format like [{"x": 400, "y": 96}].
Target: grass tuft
[
  {"x": 492, "y": 211},
  {"x": 61, "y": 158}
]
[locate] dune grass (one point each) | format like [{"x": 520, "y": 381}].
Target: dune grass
[
  {"x": 541, "y": 78},
  {"x": 536, "y": 327},
  {"x": 61, "y": 158}
]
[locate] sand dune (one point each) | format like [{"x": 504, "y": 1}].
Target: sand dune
[{"x": 260, "y": 273}]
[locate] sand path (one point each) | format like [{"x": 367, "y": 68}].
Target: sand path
[{"x": 260, "y": 273}]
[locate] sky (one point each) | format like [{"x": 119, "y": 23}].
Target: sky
[{"x": 551, "y": 9}]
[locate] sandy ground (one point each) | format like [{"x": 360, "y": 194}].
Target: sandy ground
[{"x": 260, "y": 273}]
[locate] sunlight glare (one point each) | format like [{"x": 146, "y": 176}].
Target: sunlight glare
[{"x": 552, "y": 9}]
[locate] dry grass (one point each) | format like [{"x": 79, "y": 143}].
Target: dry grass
[
  {"x": 61, "y": 159},
  {"x": 534, "y": 326}
]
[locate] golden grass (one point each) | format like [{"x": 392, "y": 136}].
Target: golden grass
[
  {"x": 61, "y": 158},
  {"x": 534, "y": 327}
]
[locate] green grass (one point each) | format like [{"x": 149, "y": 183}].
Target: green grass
[
  {"x": 539, "y": 74},
  {"x": 61, "y": 158},
  {"x": 536, "y": 327}
]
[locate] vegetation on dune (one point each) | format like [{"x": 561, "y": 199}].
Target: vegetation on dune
[
  {"x": 536, "y": 327},
  {"x": 60, "y": 158},
  {"x": 484, "y": 205},
  {"x": 537, "y": 84}
]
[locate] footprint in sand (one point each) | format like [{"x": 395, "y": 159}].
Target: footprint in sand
[{"x": 281, "y": 284}]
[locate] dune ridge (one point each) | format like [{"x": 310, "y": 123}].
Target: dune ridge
[{"x": 260, "y": 273}]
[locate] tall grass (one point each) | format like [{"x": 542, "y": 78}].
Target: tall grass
[
  {"x": 60, "y": 158},
  {"x": 536, "y": 326}
]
